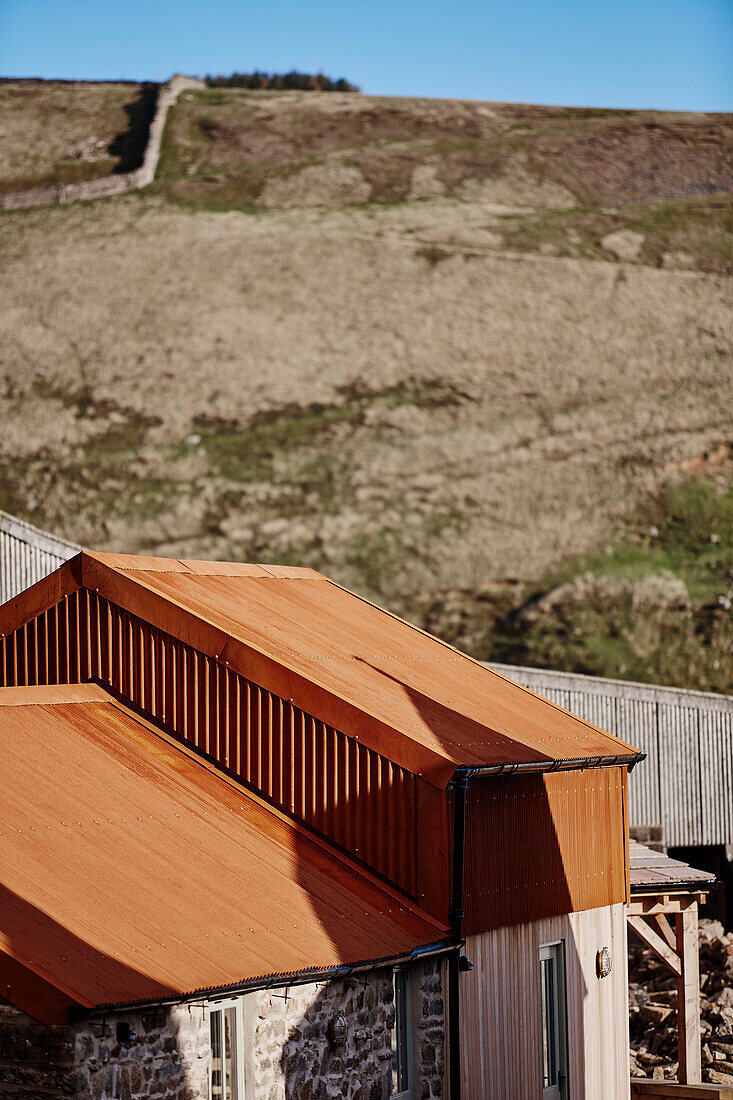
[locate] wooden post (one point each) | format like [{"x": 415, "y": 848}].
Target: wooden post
[{"x": 688, "y": 998}]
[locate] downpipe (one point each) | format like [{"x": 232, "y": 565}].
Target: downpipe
[{"x": 460, "y": 785}]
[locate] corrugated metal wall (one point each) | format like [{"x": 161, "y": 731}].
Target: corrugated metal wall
[
  {"x": 538, "y": 845},
  {"x": 335, "y": 784},
  {"x": 686, "y": 783},
  {"x": 27, "y": 554}
]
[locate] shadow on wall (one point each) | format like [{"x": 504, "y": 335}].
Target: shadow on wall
[
  {"x": 129, "y": 145},
  {"x": 371, "y": 1015},
  {"x": 506, "y": 1022}
]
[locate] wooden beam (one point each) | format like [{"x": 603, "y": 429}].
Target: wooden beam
[
  {"x": 688, "y": 998},
  {"x": 647, "y": 904},
  {"x": 665, "y": 929},
  {"x": 642, "y": 1089},
  {"x": 659, "y": 946}
]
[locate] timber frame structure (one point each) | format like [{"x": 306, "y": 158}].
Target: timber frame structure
[{"x": 663, "y": 912}]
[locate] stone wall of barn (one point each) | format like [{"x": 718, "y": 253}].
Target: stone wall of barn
[
  {"x": 160, "y": 1053},
  {"x": 291, "y": 1055},
  {"x": 163, "y": 1054}
]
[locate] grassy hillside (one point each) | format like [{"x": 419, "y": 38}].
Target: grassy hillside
[
  {"x": 568, "y": 178},
  {"x": 459, "y": 356},
  {"x": 654, "y": 605}
]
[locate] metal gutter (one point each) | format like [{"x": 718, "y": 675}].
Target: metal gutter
[
  {"x": 268, "y": 981},
  {"x": 471, "y": 771}
]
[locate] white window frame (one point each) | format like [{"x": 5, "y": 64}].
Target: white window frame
[
  {"x": 558, "y": 1088},
  {"x": 220, "y": 1006},
  {"x": 406, "y": 1039}
]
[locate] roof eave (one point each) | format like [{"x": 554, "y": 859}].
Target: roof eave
[
  {"x": 675, "y": 889},
  {"x": 272, "y": 981}
]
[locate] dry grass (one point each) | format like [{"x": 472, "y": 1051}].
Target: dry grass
[
  {"x": 567, "y": 391},
  {"x": 229, "y": 143},
  {"x": 55, "y": 132},
  {"x": 443, "y": 395}
]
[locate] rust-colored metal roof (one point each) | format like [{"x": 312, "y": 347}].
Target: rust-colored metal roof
[
  {"x": 407, "y": 695},
  {"x": 131, "y": 869}
]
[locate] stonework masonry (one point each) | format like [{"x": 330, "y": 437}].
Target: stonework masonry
[{"x": 163, "y": 1054}]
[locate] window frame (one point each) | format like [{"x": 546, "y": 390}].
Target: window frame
[
  {"x": 554, "y": 952},
  {"x": 221, "y": 1007},
  {"x": 406, "y": 1039}
]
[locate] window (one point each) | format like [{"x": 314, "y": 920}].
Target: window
[
  {"x": 226, "y": 1080},
  {"x": 552, "y": 992},
  {"x": 401, "y": 1037}
]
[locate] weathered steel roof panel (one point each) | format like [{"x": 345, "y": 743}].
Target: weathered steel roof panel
[
  {"x": 131, "y": 869},
  {"x": 408, "y": 695}
]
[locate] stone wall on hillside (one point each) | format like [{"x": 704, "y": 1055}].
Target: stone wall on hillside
[{"x": 60, "y": 194}]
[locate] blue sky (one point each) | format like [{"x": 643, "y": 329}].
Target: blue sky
[{"x": 675, "y": 54}]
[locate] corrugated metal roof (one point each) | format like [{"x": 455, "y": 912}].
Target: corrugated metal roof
[
  {"x": 656, "y": 872},
  {"x": 406, "y": 694},
  {"x": 130, "y": 869}
]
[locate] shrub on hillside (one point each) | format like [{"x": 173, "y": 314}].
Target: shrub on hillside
[{"x": 292, "y": 81}]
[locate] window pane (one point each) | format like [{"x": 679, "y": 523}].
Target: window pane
[
  {"x": 230, "y": 1048},
  {"x": 216, "y": 1060},
  {"x": 549, "y": 1023},
  {"x": 400, "y": 1049}
]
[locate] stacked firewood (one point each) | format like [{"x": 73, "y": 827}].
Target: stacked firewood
[{"x": 653, "y": 1009}]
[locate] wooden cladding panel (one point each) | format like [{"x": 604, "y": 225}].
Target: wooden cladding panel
[
  {"x": 539, "y": 845},
  {"x": 501, "y": 1033},
  {"x": 335, "y": 784}
]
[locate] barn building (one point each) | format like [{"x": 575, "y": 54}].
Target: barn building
[
  {"x": 262, "y": 839},
  {"x": 681, "y": 798}
]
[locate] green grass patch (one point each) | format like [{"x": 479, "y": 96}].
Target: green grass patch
[
  {"x": 655, "y": 606},
  {"x": 700, "y": 228},
  {"x": 245, "y": 452}
]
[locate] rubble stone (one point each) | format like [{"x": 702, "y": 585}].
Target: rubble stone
[{"x": 653, "y": 1009}]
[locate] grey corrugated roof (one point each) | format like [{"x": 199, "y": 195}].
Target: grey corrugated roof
[
  {"x": 685, "y": 785},
  {"x": 27, "y": 554},
  {"x": 652, "y": 870}
]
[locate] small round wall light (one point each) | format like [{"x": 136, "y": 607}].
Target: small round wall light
[
  {"x": 337, "y": 1030},
  {"x": 604, "y": 962}
]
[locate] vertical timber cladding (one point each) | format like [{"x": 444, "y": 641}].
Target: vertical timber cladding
[
  {"x": 335, "y": 784},
  {"x": 539, "y": 845}
]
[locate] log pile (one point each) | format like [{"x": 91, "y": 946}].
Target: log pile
[{"x": 653, "y": 1009}]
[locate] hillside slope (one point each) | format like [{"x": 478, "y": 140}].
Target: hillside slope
[{"x": 442, "y": 351}]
